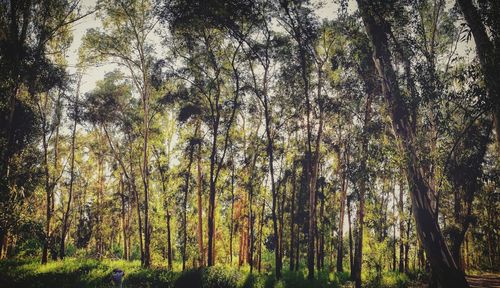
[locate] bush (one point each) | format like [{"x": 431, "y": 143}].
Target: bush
[{"x": 219, "y": 277}]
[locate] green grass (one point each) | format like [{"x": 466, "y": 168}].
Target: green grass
[{"x": 78, "y": 272}]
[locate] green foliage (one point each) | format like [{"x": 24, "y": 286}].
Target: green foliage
[{"x": 81, "y": 272}]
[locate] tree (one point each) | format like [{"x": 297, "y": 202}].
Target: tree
[
  {"x": 130, "y": 22},
  {"x": 427, "y": 226}
]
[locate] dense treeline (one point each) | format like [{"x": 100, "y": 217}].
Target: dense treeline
[{"x": 254, "y": 133}]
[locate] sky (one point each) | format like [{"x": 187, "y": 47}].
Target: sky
[{"x": 95, "y": 73}]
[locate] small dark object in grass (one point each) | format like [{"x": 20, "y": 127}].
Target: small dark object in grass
[{"x": 117, "y": 276}]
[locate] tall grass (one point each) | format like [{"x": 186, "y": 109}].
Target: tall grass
[{"x": 78, "y": 272}]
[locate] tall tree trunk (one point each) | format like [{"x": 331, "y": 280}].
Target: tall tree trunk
[
  {"x": 137, "y": 206},
  {"x": 401, "y": 228},
  {"x": 351, "y": 245},
  {"x": 427, "y": 225},
  {"x": 187, "y": 181},
  {"x": 123, "y": 218},
  {"x": 201, "y": 252},
  {"x": 321, "y": 235},
  {"x": 358, "y": 257},
  {"x": 66, "y": 214},
  {"x": 169, "y": 241},
  {"x": 211, "y": 198},
  {"x": 488, "y": 52},
  {"x": 407, "y": 242},
  {"x": 48, "y": 211},
  {"x": 343, "y": 196},
  {"x": 231, "y": 226},
  {"x": 292, "y": 215},
  {"x": 161, "y": 169},
  {"x": 145, "y": 164},
  {"x": 259, "y": 264}
]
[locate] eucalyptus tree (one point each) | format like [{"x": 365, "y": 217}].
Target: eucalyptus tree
[
  {"x": 380, "y": 35},
  {"x": 297, "y": 19},
  {"x": 125, "y": 38},
  {"x": 66, "y": 214},
  {"x": 210, "y": 64},
  {"x": 110, "y": 109},
  {"x": 29, "y": 30}
]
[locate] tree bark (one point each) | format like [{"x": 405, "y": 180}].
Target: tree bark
[
  {"x": 259, "y": 264},
  {"x": 343, "y": 196},
  {"x": 401, "y": 228},
  {"x": 66, "y": 214},
  {"x": 358, "y": 257},
  {"x": 187, "y": 181},
  {"x": 351, "y": 245},
  {"x": 201, "y": 252},
  {"x": 292, "y": 220}
]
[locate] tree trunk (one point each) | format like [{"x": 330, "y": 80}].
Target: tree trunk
[
  {"x": 488, "y": 52},
  {"x": 169, "y": 242},
  {"x": 211, "y": 198},
  {"x": 137, "y": 206},
  {"x": 187, "y": 180},
  {"x": 401, "y": 228},
  {"x": 66, "y": 215},
  {"x": 351, "y": 245},
  {"x": 122, "y": 214},
  {"x": 343, "y": 196},
  {"x": 48, "y": 211},
  {"x": 231, "y": 226},
  {"x": 201, "y": 252},
  {"x": 292, "y": 220},
  {"x": 358, "y": 258},
  {"x": 259, "y": 264},
  {"x": 321, "y": 235}
]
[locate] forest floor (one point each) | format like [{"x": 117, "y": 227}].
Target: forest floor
[
  {"x": 484, "y": 280},
  {"x": 83, "y": 272}
]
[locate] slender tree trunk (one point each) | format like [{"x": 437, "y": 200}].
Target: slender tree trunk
[
  {"x": 274, "y": 192},
  {"x": 259, "y": 264},
  {"x": 343, "y": 196},
  {"x": 201, "y": 252},
  {"x": 211, "y": 198},
  {"x": 358, "y": 258},
  {"x": 122, "y": 214},
  {"x": 231, "y": 226},
  {"x": 66, "y": 214},
  {"x": 401, "y": 228},
  {"x": 292, "y": 220},
  {"x": 184, "y": 203},
  {"x": 48, "y": 211},
  {"x": 351, "y": 245},
  {"x": 169, "y": 241},
  {"x": 321, "y": 236},
  {"x": 250, "y": 226},
  {"x": 137, "y": 206}
]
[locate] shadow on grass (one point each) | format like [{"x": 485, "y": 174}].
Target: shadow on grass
[{"x": 75, "y": 272}]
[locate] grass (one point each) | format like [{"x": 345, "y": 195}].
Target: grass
[{"x": 78, "y": 272}]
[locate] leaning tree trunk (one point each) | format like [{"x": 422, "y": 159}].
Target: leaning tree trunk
[
  {"x": 440, "y": 258},
  {"x": 488, "y": 52}
]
